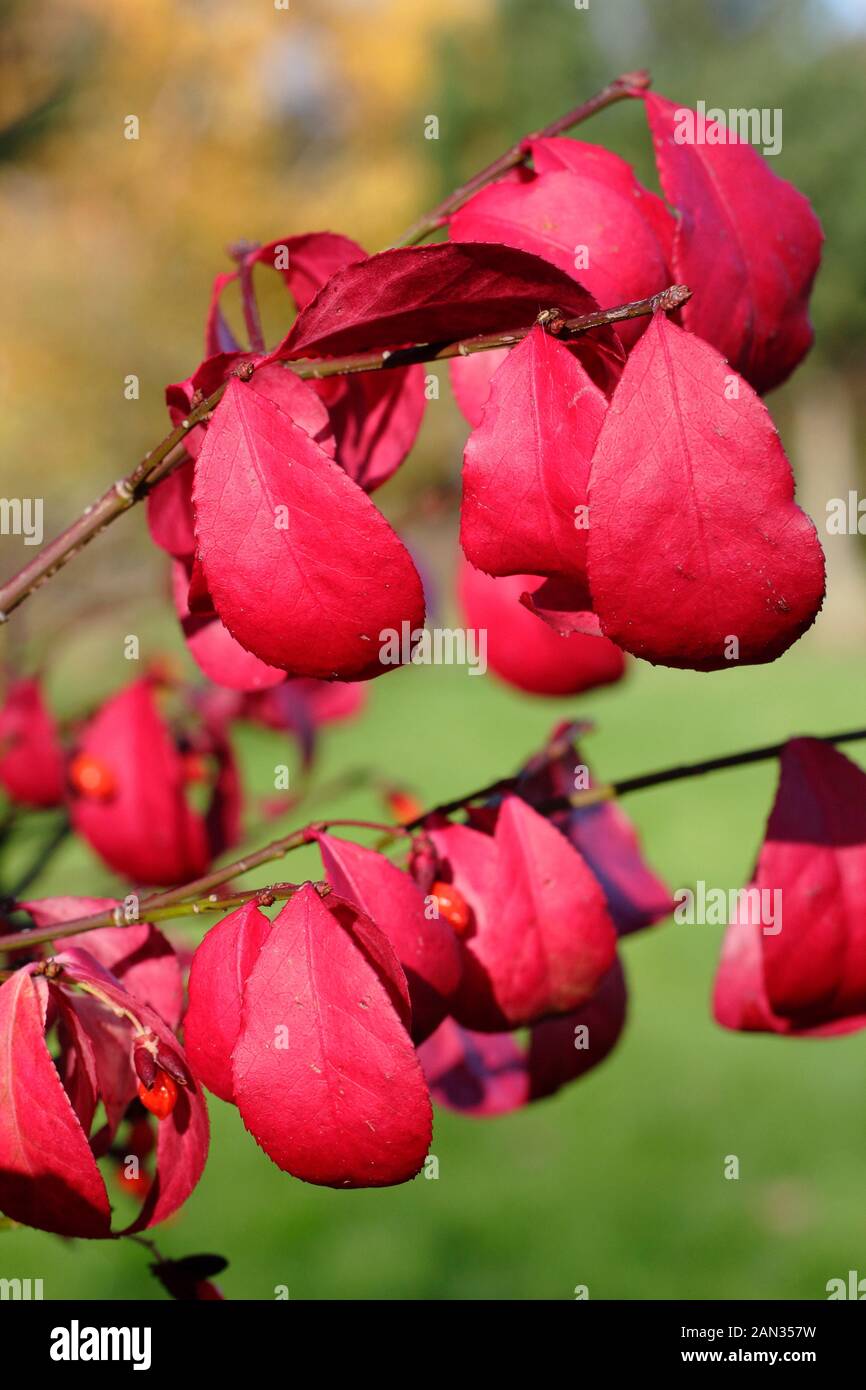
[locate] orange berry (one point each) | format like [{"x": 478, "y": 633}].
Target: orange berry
[
  {"x": 452, "y": 906},
  {"x": 136, "y": 1187},
  {"x": 403, "y": 806},
  {"x": 194, "y": 767},
  {"x": 160, "y": 1099},
  {"x": 91, "y": 778}
]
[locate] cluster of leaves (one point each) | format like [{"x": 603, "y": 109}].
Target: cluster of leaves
[
  {"x": 635, "y": 471},
  {"x": 150, "y": 780},
  {"x": 331, "y": 1026},
  {"x": 483, "y": 971}
]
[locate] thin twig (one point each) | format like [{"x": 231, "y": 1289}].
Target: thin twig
[
  {"x": 629, "y": 84},
  {"x": 114, "y": 916},
  {"x": 169, "y": 454},
  {"x": 176, "y": 901}
]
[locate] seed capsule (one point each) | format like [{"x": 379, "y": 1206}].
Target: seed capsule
[
  {"x": 91, "y": 778},
  {"x": 452, "y": 906},
  {"x": 160, "y": 1098},
  {"x": 403, "y": 806}
]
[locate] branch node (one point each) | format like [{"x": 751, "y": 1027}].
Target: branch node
[
  {"x": 671, "y": 298},
  {"x": 554, "y": 321}
]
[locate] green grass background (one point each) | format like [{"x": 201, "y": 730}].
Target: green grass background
[{"x": 617, "y": 1183}]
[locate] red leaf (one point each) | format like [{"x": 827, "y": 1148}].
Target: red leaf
[
  {"x": 426, "y": 948},
  {"x": 748, "y": 244},
  {"x": 590, "y": 227},
  {"x": 470, "y": 381},
  {"x": 694, "y": 534},
  {"x": 312, "y": 596},
  {"x": 432, "y": 293},
  {"x": 804, "y": 971},
  {"x": 338, "y": 1100},
  {"x": 526, "y": 468},
  {"x": 220, "y": 968},
  {"x": 636, "y": 896},
  {"x": 553, "y": 154},
  {"x": 557, "y": 1055},
  {"x": 297, "y": 398},
  {"x": 138, "y": 954},
  {"x": 169, "y": 506},
  {"x": 313, "y": 257},
  {"x": 565, "y": 605},
  {"x": 31, "y": 756},
  {"x": 218, "y": 336},
  {"x": 76, "y": 1062},
  {"x": 214, "y": 650},
  {"x": 475, "y": 1073},
  {"x": 542, "y": 938},
  {"x": 48, "y": 1175},
  {"x": 144, "y": 830},
  {"x": 182, "y": 1138},
  {"x": 169, "y": 512},
  {"x": 522, "y": 649},
  {"x": 375, "y": 417}
]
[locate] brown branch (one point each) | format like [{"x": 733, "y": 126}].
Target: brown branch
[
  {"x": 199, "y": 897},
  {"x": 190, "y": 899},
  {"x": 169, "y": 454},
  {"x": 115, "y": 916},
  {"x": 629, "y": 84}
]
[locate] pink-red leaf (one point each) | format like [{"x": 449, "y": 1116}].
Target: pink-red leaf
[
  {"x": 551, "y": 155},
  {"x": 698, "y": 555},
  {"x": 144, "y": 829},
  {"x": 31, "y": 756},
  {"x": 429, "y": 294},
  {"x": 636, "y": 896},
  {"x": 220, "y": 968},
  {"x": 303, "y": 570},
  {"x": 565, "y": 605},
  {"x": 562, "y": 1050},
  {"x": 426, "y": 948},
  {"x": 588, "y": 226},
  {"x": 748, "y": 244},
  {"x": 526, "y": 467},
  {"x": 795, "y": 960},
  {"x": 470, "y": 381},
  {"x": 138, "y": 954},
  {"x": 48, "y": 1175},
  {"x": 475, "y": 1073},
  {"x": 541, "y": 938},
  {"x": 182, "y": 1138},
  {"x": 214, "y": 650},
  {"x": 375, "y": 417},
  {"x": 325, "y": 1075},
  {"x": 522, "y": 649}
]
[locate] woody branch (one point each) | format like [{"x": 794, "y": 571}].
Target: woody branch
[{"x": 199, "y": 896}]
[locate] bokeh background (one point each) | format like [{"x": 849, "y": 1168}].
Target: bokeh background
[{"x": 258, "y": 122}]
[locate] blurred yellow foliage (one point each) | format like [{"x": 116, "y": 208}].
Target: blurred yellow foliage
[{"x": 254, "y": 121}]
